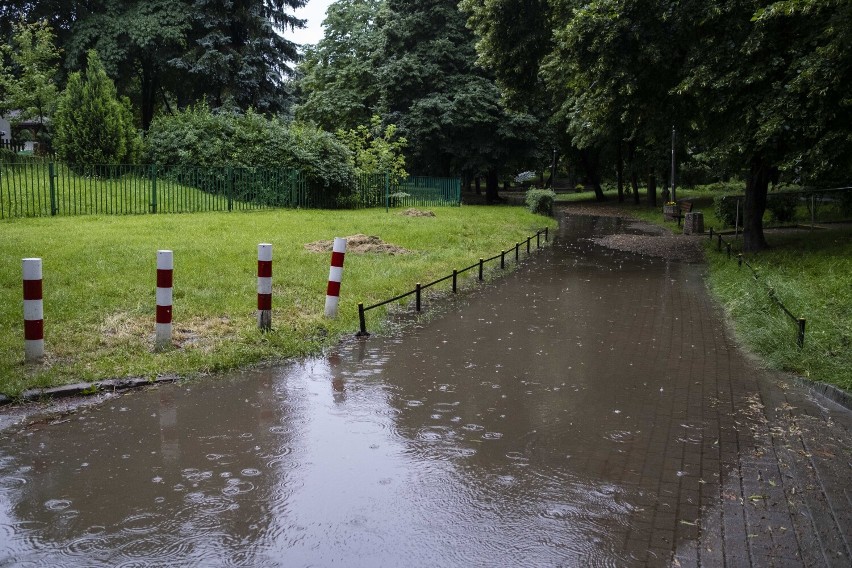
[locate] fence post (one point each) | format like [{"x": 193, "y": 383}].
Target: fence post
[
  {"x": 154, "y": 188},
  {"x": 502, "y": 259},
  {"x": 481, "y": 261},
  {"x": 800, "y": 341},
  {"x": 165, "y": 280},
  {"x": 52, "y": 175},
  {"x": 33, "y": 310},
  {"x": 417, "y": 297},
  {"x": 362, "y": 321},
  {"x": 711, "y": 233},
  {"x": 229, "y": 186},
  {"x": 719, "y": 246},
  {"x": 728, "y": 246},
  {"x": 740, "y": 260},
  {"x": 335, "y": 275},
  {"x": 528, "y": 244},
  {"x": 546, "y": 239},
  {"x": 538, "y": 239},
  {"x": 517, "y": 253},
  {"x": 264, "y": 286},
  {"x": 387, "y": 193},
  {"x": 455, "y": 280}
]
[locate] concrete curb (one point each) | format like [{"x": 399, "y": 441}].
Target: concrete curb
[
  {"x": 83, "y": 389},
  {"x": 831, "y": 392}
]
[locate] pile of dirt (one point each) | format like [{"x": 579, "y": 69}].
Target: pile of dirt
[
  {"x": 685, "y": 248},
  {"x": 417, "y": 213},
  {"x": 358, "y": 244}
]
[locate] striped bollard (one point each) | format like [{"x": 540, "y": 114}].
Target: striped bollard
[
  {"x": 332, "y": 295},
  {"x": 165, "y": 269},
  {"x": 264, "y": 286},
  {"x": 33, "y": 310}
]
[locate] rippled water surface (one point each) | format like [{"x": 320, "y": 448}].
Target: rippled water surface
[{"x": 513, "y": 430}]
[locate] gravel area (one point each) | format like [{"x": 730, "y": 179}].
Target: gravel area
[{"x": 653, "y": 240}]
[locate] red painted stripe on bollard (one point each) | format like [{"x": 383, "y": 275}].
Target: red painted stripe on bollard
[
  {"x": 337, "y": 259},
  {"x": 264, "y": 301},
  {"x": 33, "y": 329},
  {"x": 164, "y": 314},
  {"x": 32, "y": 289},
  {"x": 264, "y": 269},
  {"x": 333, "y": 289},
  {"x": 164, "y": 278}
]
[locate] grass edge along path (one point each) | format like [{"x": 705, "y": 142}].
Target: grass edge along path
[
  {"x": 100, "y": 280},
  {"x": 810, "y": 273}
]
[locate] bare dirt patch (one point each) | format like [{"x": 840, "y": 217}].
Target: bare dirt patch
[
  {"x": 684, "y": 248},
  {"x": 417, "y": 213},
  {"x": 359, "y": 244}
]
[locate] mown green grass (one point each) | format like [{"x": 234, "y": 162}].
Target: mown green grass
[
  {"x": 810, "y": 274},
  {"x": 99, "y": 284}
]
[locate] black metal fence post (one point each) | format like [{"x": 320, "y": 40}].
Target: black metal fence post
[
  {"x": 517, "y": 249},
  {"x": 740, "y": 260},
  {"x": 538, "y": 239},
  {"x": 711, "y": 233},
  {"x": 417, "y": 297},
  {"x": 719, "y": 246},
  {"x": 502, "y": 259},
  {"x": 528, "y": 244},
  {"x": 800, "y": 341},
  {"x": 362, "y": 320},
  {"x": 481, "y": 261},
  {"x": 546, "y": 238},
  {"x": 728, "y": 246},
  {"x": 455, "y": 281}
]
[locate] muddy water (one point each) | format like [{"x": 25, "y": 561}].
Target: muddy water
[{"x": 550, "y": 419}]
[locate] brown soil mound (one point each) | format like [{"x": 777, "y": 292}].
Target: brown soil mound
[
  {"x": 417, "y": 213},
  {"x": 358, "y": 244}
]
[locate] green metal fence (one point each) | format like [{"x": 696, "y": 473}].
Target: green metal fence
[{"x": 31, "y": 189}]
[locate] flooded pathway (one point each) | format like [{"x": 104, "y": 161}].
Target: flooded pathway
[{"x": 588, "y": 410}]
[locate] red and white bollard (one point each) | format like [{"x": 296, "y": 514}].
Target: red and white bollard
[
  {"x": 165, "y": 269},
  {"x": 264, "y": 286},
  {"x": 33, "y": 310},
  {"x": 332, "y": 295}
]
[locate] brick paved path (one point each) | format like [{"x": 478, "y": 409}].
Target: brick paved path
[{"x": 741, "y": 467}]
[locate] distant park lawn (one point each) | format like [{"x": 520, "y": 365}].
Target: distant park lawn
[{"x": 99, "y": 284}]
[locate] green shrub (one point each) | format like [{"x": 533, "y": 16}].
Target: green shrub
[
  {"x": 198, "y": 137},
  {"x": 725, "y": 208},
  {"x": 782, "y": 206},
  {"x": 92, "y": 126},
  {"x": 541, "y": 201}
]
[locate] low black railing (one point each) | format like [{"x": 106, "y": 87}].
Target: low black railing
[
  {"x": 418, "y": 288},
  {"x": 799, "y": 321}
]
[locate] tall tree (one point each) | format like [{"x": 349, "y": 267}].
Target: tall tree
[
  {"x": 338, "y": 75},
  {"x": 28, "y": 85},
  {"x": 448, "y": 109}
]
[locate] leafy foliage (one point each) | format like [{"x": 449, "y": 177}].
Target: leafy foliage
[
  {"x": 200, "y": 137},
  {"x": 92, "y": 124},
  {"x": 540, "y": 201},
  {"x": 29, "y": 84},
  {"x": 376, "y": 150}
]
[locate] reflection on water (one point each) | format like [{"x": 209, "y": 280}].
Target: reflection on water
[{"x": 518, "y": 429}]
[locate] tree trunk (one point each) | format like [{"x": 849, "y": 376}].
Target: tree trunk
[
  {"x": 589, "y": 159},
  {"x": 149, "y": 87},
  {"x": 634, "y": 181},
  {"x": 619, "y": 173},
  {"x": 492, "y": 186},
  {"x": 652, "y": 191},
  {"x": 757, "y": 186}
]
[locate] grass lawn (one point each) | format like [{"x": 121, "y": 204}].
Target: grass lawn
[
  {"x": 810, "y": 273},
  {"x": 99, "y": 284}
]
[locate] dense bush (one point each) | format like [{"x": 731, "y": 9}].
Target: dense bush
[
  {"x": 92, "y": 126},
  {"x": 782, "y": 206},
  {"x": 725, "y": 207},
  {"x": 198, "y": 137},
  {"x": 541, "y": 201}
]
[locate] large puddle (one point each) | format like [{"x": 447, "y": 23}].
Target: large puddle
[{"x": 554, "y": 418}]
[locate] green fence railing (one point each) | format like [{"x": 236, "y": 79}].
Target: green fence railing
[{"x": 32, "y": 189}]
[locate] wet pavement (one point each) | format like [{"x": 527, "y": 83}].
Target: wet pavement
[{"x": 590, "y": 409}]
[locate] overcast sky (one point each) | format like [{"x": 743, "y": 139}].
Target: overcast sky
[{"x": 314, "y": 12}]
